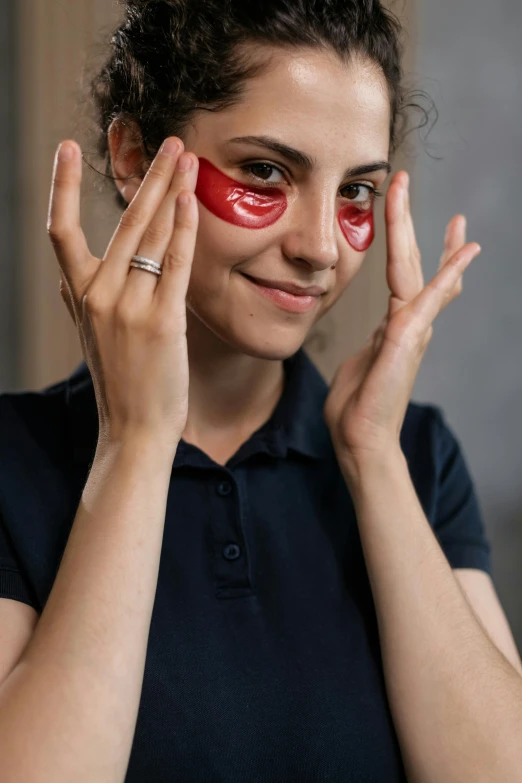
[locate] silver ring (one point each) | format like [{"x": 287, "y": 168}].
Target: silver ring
[
  {"x": 146, "y": 264},
  {"x": 148, "y": 261},
  {"x": 146, "y": 268}
]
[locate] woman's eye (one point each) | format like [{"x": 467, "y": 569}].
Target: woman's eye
[
  {"x": 259, "y": 171},
  {"x": 373, "y": 193}
]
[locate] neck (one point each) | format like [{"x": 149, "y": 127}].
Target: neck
[{"x": 231, "y": 394}]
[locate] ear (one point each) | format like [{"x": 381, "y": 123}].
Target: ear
[{"x": 127, "y": 157}]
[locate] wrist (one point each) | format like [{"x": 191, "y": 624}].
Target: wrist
[
  {"x": 143, "y": 445},
  {"x": 362, "y": 471}
]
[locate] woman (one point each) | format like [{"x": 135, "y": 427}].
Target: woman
[{"x": 229, "y": 562}]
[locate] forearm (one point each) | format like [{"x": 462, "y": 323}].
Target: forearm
[
  {"x": 68, "y": 711},
  {"x": 456, "y": 701}
]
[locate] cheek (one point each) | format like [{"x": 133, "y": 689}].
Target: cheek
[
  {"x": 357, "y": 227},
  {"x": 233, "y": 202}
]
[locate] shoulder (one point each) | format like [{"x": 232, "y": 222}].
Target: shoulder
[
  {"x": 42, "y": 421},
  {"x": 32, "y": 421},
  {"x": 436, "y": 459},
  {"x": 39, "y": 485},
  {"x": 432, "y": 444}
]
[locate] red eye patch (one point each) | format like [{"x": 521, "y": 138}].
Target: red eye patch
[
  {"x": 242, "y": 205},
  {"x": 357, "y": 226}
]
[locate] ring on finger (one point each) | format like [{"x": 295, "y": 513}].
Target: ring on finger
[{"x": 147, "y": 264}]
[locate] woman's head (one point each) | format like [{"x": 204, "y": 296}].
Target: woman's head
[{"x": 322, "y": 77}]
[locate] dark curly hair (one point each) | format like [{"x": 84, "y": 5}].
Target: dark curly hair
[{"x": 169, "y": 59}]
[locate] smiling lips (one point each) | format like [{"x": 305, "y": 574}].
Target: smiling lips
[{"x": 256, "y": 207}]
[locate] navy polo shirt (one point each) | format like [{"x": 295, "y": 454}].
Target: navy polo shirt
[{"x": 263, "y": 660}]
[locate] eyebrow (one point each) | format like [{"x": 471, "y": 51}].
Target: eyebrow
[{"x": 305, "y": 161}]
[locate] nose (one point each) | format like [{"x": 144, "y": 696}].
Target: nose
[{"x": 311, "y": 230}]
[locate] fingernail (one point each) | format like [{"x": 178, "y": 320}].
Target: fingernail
[
  {"x": 65, "y": 152},
  {"x": 169, "y": 147},
  {"x": 185, "y": 162}
]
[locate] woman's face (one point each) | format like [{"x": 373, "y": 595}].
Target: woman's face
[{"x": 266, "y": 214}]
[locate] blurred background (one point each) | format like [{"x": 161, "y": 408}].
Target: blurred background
[{"x": 467, "y": 57}]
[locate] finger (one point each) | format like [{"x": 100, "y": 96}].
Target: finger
[
  {"x": 136, "y": 218},
  {"x": 435, "y": 295},
  {"x": 415, "y": 255},
  {"x": 63, "y": 223},
  {"x": 454, "y": 238},
  {"x": 403, "y": 271},
  {"x": 398, "y": 242},
  {"x": 172, "y": 288},
  {"x": 141, "y": 285}
]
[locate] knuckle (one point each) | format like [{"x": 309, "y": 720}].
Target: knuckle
[
  {"x": 157, "y": 171},
  {"x": 126, "y": 313},
  {"x": 57, "y": 232},
  {"x": 94, "y": 304},
  {"x": 184, "y": 222},
  {"x": 157, "y": 234},
  {"x": 64, "y": 178},
  {"x": 133, "y": 217},
  {"x": 438, "y": 284},
  {"x": 411, "y": 334},
  {"x": 173, "y": 260}
]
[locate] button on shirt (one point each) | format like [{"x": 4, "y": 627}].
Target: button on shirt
[{"x": 263, "y": 659}]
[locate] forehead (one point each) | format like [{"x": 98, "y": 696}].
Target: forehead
[{"x": 309, "y": 98}]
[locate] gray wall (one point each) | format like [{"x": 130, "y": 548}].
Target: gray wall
[{"x": 469, "y": 60}]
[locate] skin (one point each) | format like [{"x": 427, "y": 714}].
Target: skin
[{"x": 340, "y": 116}]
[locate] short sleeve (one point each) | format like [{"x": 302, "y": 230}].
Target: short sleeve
[
  {"x": 458, "y": 523},
  {"x": 12, "y": 582}
]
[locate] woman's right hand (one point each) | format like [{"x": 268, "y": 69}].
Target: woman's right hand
[{"x": 132, "y": 323}]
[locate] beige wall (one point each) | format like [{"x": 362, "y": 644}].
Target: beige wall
[{"x": 54, "y": 39}]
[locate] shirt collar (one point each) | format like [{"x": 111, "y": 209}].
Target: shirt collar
[{"x": 297, "y": 422}]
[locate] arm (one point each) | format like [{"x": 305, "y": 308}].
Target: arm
[
  {"x": 455, "y": 699},
  {"x": 73, "y": 698}
]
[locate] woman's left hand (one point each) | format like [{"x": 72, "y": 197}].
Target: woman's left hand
[{"x": 371, "y": 391}]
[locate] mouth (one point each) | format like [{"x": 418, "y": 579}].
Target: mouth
[
  {"x": 290, "y": 288},
  {"x": 289, "y": 302}
]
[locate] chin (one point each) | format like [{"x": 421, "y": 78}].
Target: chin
[
  {"x": 259, "y": 336},
  {"x": 265, "y": 346}
]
